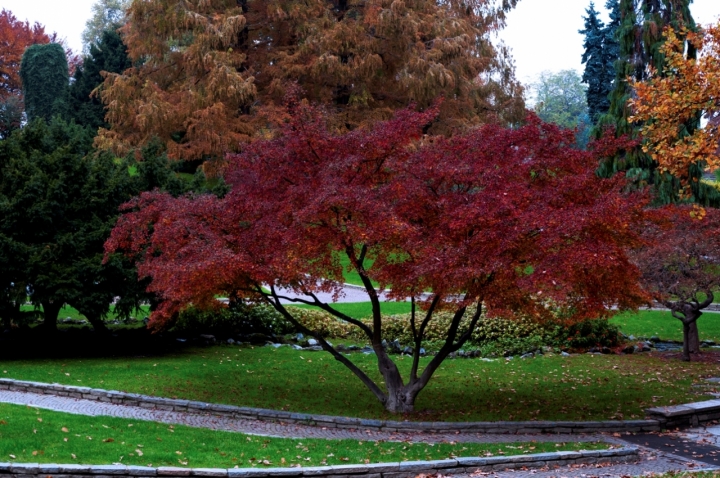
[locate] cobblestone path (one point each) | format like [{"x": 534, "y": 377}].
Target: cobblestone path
[{"x": 650, "y": 461}]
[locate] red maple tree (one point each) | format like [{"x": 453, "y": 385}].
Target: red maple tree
[
  {"x": 15, "y": 36},
  {"x": 681, "y": 265},
  {"x": 494, "y": 221}
]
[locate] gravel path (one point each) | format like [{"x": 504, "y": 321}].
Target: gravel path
[
  {"x": 257, "y": 427},
  {"x": 649, "y": 462}
]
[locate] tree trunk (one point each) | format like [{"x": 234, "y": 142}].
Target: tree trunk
[
  {"x": 51, "y": 309},
  {"x": 98, "y": 324},
  {"x": 686, "y": 342},
  {"x": 693, "y": 338},
  {"x": 401, "y": 399}
]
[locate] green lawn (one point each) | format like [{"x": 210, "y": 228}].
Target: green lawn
[
  {"x": 364, "y": 309},
  {"x": 41, "y": 436},
  {"x": 581, "y": 387},
  {"x": 352, "y": 277},
  {"x": 68, "y": 312},
  {"x": 649, "y": 323}
]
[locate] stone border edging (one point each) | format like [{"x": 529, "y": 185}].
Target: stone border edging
[
  {"x": 407, "y": 469},
  {"x": 169, "y": 404}
]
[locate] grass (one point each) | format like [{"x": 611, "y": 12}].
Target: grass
[
  {"x": 68, "y": 312},
  {"x": 659, "y": 323},
  {"x": 580, "y": 387},
  {"x": 41, "y": 436},
  {"x": 364, "y": 309},
  {"x": 352, "y": 277}
]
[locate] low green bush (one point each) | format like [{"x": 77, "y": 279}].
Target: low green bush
[
  {"x": 237, "y": 319},
  {"x": 492, "y": 336}
]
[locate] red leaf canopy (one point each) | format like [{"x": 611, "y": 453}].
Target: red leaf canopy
[{"x": 509, "y": 217}]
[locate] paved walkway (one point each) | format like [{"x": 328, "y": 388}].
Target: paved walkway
[{"x": 650, "y": 461}]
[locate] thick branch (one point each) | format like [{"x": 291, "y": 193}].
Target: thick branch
[
  {"x": 275, "y": 302},
  {"x": 421, "y": 334},
  {"x": 708, "y": 300},
  {"x": 449, "y": 347},
  {"x": 372, "y": 293}
]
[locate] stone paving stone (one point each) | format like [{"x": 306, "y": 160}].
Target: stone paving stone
[{"x": 212, "y": 472}]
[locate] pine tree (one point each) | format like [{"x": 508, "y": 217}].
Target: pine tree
[
  {"x": 640, "y": 36},
  {"x": 601, "y": 52},
  {"x": 594, "y": 63},
  {"x": 110, "y": 55}
]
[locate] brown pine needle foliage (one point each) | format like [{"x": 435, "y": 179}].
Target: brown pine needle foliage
[
  {"x": 688, "y": 88},
  {"x": 210, "y": 74}
]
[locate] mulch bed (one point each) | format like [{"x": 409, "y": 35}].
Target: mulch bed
[{"x": 708, "y": 356}]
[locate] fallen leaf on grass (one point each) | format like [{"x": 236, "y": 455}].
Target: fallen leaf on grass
[
  {"x": 13, "y": 456},
  {"x": 64, "y": 429},
  {"x": 73, "y": 455},
  {"x": 108, "y": 440},
  {"x": 139, "y": 451}
]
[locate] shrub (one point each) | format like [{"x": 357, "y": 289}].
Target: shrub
[
  {"x": 237, "y": 319},
  {"x": 589, "y": 333}
]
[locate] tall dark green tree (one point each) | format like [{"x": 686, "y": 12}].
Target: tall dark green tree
[
  {"x": 601, "y": 52},
  {"x": 593, "y": 60},
  {"x": 59, "y": 199},
  {"x": 45, "y": 80},
  {"x": 108, "y": 54},
  {"x": 640, "y": 36}
]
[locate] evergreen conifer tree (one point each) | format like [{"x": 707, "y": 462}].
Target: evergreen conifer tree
[
  {"x": 640, "y": 36},
  {"x": 602, "y": 50},
  {"x": 45, "y": 79},
  {"x": 594, "y": 63},
  {"x": 110, "y": 55}
]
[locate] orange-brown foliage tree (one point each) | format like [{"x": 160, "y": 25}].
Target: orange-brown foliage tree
[
  {"x": 687, "y": 87},
  {"x": 210, "y": 72},
  {"x": 15, "y": 36}
]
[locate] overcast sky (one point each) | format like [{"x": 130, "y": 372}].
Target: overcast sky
[{"x": 543, "y": 34}]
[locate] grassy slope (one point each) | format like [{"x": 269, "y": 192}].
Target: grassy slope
[
  {"x": 660, "y": 323},
  {"x": 583, "y": 387},
  {"x": 42, "y": 436}
]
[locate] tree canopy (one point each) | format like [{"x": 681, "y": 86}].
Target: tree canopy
[
  {"x": 640, "y": 37},
  {"x": 107, "y": 15},
  {"x": 439, "y": 215},
  {"x": 108, "y": 54},
  {"x": 45, "y": 80},
  {"x": 668, "y": 100},
  {"x": 15, "y": 37},
  {"x": 211, "y": 74},
  {"x": 58, "y": 202},
  {"x": 601, "y": 51},
  {"x": 681, "y": 265},
  {"x": 560, "y": 98}
]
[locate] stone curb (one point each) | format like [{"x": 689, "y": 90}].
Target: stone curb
[
  {"x": 407, "y": 469},
  {"x": 168, "y": 404}
]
